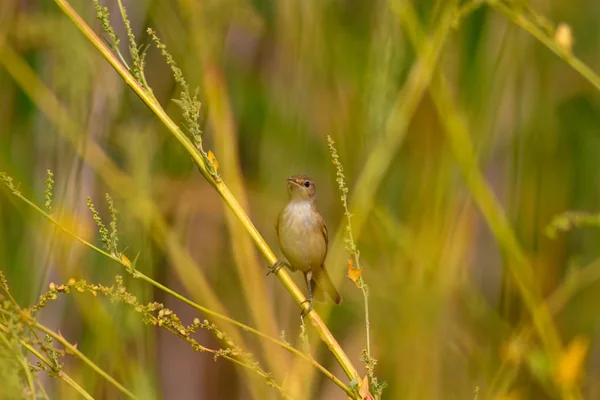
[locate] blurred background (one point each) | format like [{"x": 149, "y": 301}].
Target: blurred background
[{"x": 275, "y": 78}]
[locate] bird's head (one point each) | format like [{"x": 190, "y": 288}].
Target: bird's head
[{"x": 301, "y": 187}]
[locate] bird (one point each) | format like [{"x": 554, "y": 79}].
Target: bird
[{"x": 303, "y": 238}]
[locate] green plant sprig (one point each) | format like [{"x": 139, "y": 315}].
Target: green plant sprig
[
  {"x": 114, "y": 237},
  {"x": 48, "y": 192},
  {"x": 189, "y": 104},
  {"x": 101, "y": 227},
  {"x": 366, "y": 357},
  {"x": 158, "y": 315},
  {"x": 10, "y": 311},
  {"x": 138, "y": 55}
]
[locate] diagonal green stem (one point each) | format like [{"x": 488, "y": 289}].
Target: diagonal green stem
[
  {"x": 218, "y": 184},
  {"x": 61, "y": 374},
  {"x": 521, "y": 20},
  {"x": 72, "y": 349}
]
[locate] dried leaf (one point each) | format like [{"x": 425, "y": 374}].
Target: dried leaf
[
  {"x": 213, "y": 160},
  {"x": 353, "y": 273},
  {"x": 364, "y": 392},
  {"x": 125, "y": 259}
]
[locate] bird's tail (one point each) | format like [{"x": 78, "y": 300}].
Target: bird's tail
[{"x": 322, "y": 282}]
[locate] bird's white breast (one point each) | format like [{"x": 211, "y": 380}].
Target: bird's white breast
[{"x": 300, "y": 235}]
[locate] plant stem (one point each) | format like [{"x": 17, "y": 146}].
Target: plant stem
[
  {"x": 365, "y": 291},
  {"x": 75, "y": 385},
  {"x": 142, "y": 276},
  {"x": 219, "y": 185},
  {"x": 72, "y": 349}
]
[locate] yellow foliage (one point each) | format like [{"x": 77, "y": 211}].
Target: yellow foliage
[
  {"x": 570, "y": 365},
  {"x": 213, "y": 160},
  {"x": 564, "y": 37},
  {"x": 353, "y": 273}
]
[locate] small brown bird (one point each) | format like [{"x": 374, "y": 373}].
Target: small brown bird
[{"x": 303, "y": 238}]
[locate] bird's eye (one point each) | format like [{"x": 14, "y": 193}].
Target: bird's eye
[{"x": 306, "y": 184}]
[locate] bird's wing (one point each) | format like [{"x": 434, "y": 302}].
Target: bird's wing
[
  {"x": 277, "y": 223},
  {"x": 324, "y": 232}
]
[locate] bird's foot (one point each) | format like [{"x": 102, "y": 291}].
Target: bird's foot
[
  {"x": 274, "y": 269},
  {"x": 305, "y": 311}
]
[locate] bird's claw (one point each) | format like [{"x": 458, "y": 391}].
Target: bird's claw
[
  {"x": 274, "y": 269},
  {"x": 305, "y": 312}
]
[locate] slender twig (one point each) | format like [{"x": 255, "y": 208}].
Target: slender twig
[
  {"x": 219, "y": 185},
  {"x": 367, "y": 321},
  {"x": 73, "y": 350},
  {"x": 74, "y": 385},
  {"x": 284, "y": 345},
  {"x": 42, "y": 391},
  {"x": 350, "y": 243},
  {"x": 239, "y": 362},
  {"x": 137, "y": 274}
]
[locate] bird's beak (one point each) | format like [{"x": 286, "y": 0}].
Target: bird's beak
[{"x": 292, "y": 180}]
